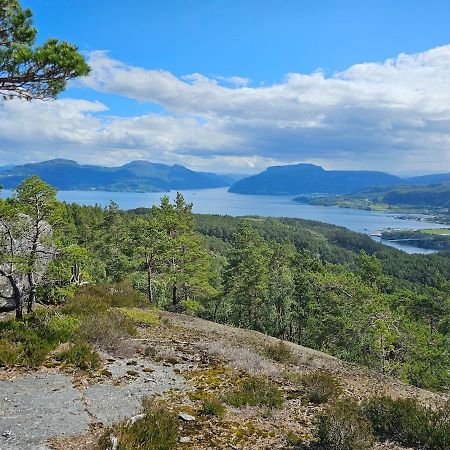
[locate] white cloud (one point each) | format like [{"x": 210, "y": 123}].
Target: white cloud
[{"x": 393, "y": 115}]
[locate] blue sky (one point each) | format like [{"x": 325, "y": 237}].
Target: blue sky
[{"x": 242, "y": 110}]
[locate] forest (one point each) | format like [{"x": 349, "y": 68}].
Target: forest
[{"x": 318, "y": 285}]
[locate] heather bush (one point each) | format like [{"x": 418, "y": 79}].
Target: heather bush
[
  {"x": 343, "y": 427},
  {"x": 408, "y": 423},
  {"x": 254, "y": 392}
]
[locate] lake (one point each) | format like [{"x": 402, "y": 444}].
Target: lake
[{"x": 219, "y": 201}]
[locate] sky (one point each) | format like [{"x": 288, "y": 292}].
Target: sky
[{"x": 236, "y": 86}]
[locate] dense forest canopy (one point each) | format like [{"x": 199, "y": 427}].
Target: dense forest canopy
[{"x": 315, "y": 284}]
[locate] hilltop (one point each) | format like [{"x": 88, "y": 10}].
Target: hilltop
[{"x": 184, "y": 361}]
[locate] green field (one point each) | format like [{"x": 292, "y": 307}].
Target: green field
[{"x": 439, "y": 231}]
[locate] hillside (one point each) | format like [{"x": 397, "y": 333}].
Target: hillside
[
  {"x": 309, "y": 179},
  {"x": 136, "y": 176},
  {"x": 184, "y": 362},
  {"x": 262, "y": 332},
  {"x": 429, "y": 179},
  {"x": 433, "y": 196}
]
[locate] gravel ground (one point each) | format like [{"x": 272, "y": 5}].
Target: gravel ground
[{"x": 36, "y": 407}]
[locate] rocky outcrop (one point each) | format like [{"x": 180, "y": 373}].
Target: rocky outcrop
[{"x": 16, "y": 245}]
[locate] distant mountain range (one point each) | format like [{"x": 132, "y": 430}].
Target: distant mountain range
[
  {"x": 136, "y": 176},
  {"x": 311, "y": 179},
  {"x": 5, "y": 168},
  {"x": 145, "y": 176}
]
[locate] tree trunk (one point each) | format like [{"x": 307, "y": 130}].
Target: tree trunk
[
  {"x": 32, "y": 294},
  {"x": 31, "y": 300},
  {"x": 149, "y": 287},
  {"x": 149, "y": 279},
  {"x": 18, "y": 302},
  {"x": 174, "y": 295}
]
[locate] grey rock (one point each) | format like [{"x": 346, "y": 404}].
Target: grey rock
[
  {"x": 186, "y": 417},
  {"x": 21, "y": 245},
  {"x": 35, "y": 407}
]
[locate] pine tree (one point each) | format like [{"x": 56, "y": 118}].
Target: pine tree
[
  {"x": 181, "y": 256},
  {"x": 28, "y": 71},
  {"x": 247, "y": 277}
]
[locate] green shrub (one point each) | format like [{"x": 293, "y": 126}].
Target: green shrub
[
  {"x": 107, "y": 329},
  {"x": 8, "y": 353},
  {"x": 255, "y": 391},
  {"x": 280, "y": 352},
  {"x": 84, "y": 304},
  {"x": 121, "y": 295},
  {"x": 212, "y": 407},
  {"x": 141, "y": 316},
  {"x": 81, "y": 355},
  {"x": 342, "y": 427},
  {"x": 32, "y": 349},
  {"x": 319, "y": 387},
  {"x": 53, "y": 326},
  {"x": 294, "y": 440},
  {"x": 157, "y": 430},
  {"x": 408, "y": 423}
]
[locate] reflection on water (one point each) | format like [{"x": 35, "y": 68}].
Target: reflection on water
[
  {"x": 405, "y": 247},
  {"x": 219, "y": 201}
]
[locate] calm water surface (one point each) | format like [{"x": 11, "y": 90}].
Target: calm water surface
[{"x": 219, "y": 201}]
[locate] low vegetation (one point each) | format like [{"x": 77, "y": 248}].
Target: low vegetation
[
  {"x": 280, "y": 352},
  {"x": 255, "y": 392},
  {"x": 319, "y": 387},
  {"x": 312, "y": 284},
  {"x": 81, "y": 355},
  {"x": 213, "y": 407},
  {"x": 156, "y": 430},
  {"x": 347, "y": 425},
  {"x": 88, "y": 319},
  {"x": 343, "y": 427},
  {"x": 408, "y": 423}
]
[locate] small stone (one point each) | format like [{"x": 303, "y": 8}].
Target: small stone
[
  {"x": 186, "y": 417},
  {"x": 7, "y": 433},
  {"x": 185, "y": 439},
  {"x": 134, "y": 419}
]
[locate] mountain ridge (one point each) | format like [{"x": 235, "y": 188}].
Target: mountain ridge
[
  {"x": 309, "y": 178},
  {"x": 135, "y": 176}
]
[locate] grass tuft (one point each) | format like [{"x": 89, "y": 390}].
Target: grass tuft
[
  {"x": 280, "y": 352},
  {"x": 212, "y": 407},
  {"x": 254, "y": 392},
  {"x": 157, "y": 430},
  {"x": 81, "y": 355}
]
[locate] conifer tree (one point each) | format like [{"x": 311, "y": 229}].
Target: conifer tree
[{"x": 28, "y": 71}]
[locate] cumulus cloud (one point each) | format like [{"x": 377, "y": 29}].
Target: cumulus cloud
[{"x": 392, "y": 115}]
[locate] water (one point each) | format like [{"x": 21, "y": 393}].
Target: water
[{"x": 219, "y": 201}]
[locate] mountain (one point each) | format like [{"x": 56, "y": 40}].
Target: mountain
[
  {"x": 5, "y": 168},
  {"x": 311, "y": 179},
  {"x": 136, "y": 176},
  {"x": 430, "y": 179}
]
